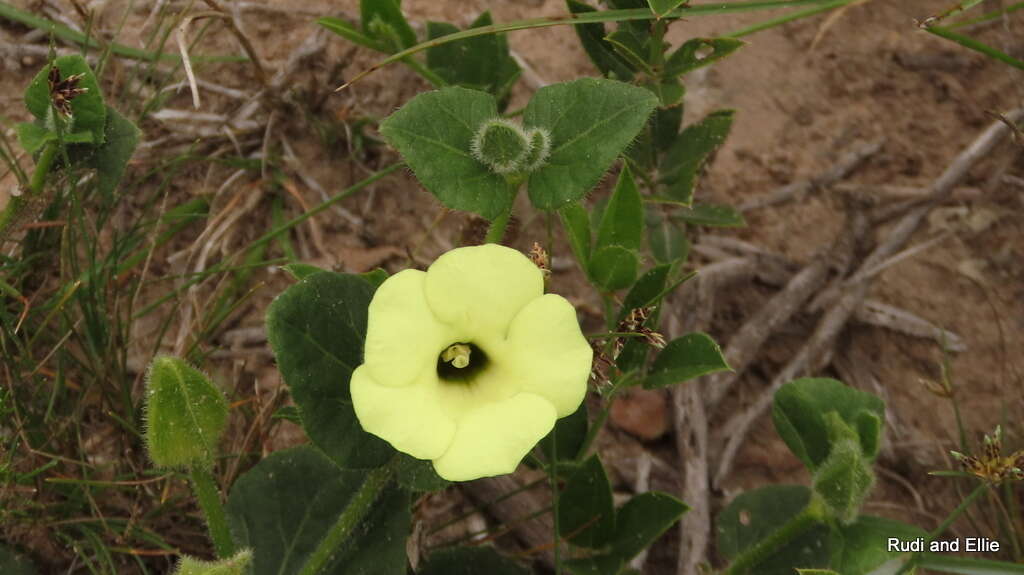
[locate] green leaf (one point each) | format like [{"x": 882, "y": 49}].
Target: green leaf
[
  {"x": 470, "y": 561},
  {"x": 375, "y": 276},
  {"x": 586, "y": 511},
  {"x": 383, "y": 20},
  {"x": 860, "y": 547},
  {"x": 88, "y": 112},
  {"x": 642, "y": 520},
  {"x": 647, "y": 291},
  {"x": 33, "y": 137},
  {"x": 480, "y": 63},
  {"x": 288, "y": 413},
  {"x": 662, "y": 7},
  {"x": 669, "y": 92},
  {"x": 111, "y": 158},
  {"x": 666, "y": 237},
  {"x": 630, "y": 49},
  {"x": 418, "y": 475},
  {"x": 639, "y": 523},
  {"x": 351, "y": 33},
  {"x": 12, "y": 563},
  {"x": 685, "y": 160},
  {"x": 686, "y": 358},
  {"x": 434, "y": 132},
  {"x": 576, "y": 222},
  {"x": 613, "y": 267},
  {"x": 699, "y": 52},
  {"x": 591, "y": 122},
  {"x": 756, "y": 514},
  {"x": 622, "y": 223},
  {"x": 569, "y": 432},
  {"x": 300, "y": 271},
  {"x": 283, "y": 508},
  {"x": 185, "y": 415},
  {"x": 799, "y": 412},
  {"x": 316, "y": 329},
  {"x": 601, "y": 53},
  {"x": 236, "y": 565},
  {"x": 711, "y": 215}
]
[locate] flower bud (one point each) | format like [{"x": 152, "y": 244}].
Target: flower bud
[
  {"x": 185, "y": 415},
  {"x": 500, "y": 144},
  {"x": 236, "y": 565},
  {"x": 844, "y": 480},
  {"x": 540, "y": 149}
]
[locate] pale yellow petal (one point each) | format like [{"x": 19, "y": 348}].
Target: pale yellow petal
[
  {"x": 410, "y": 418},
  {"x": 479, "y": 289},
  {"x": 550, "y": 355},
  {"x": 403, "y": 337},
  {"x": 494, "y": 438}
]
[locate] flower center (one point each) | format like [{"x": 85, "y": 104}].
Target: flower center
[{"x": 460, "y": 362}]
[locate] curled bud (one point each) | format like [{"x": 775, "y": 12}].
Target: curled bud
[
  {"x": 236, "y": 565},
  {"x": 500, "y": 144},
  {"x": 185, "y": 415},
  {"x": 844, "y": 480},
  {"x": 540, "y": 149}
]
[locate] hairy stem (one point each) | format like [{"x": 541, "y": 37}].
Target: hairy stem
[
  {"x": 811, "y": 515},
  {"x": 205, "y": 488},
  {"x": 16, "y": 208},
  {"x": 355, "y": 512}
]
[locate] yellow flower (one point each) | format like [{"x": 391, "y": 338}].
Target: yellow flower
[{"x": 469, "y": 364}]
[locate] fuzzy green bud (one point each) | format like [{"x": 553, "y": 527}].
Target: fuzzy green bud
[
  {"x": 185, "y": 415},
  {"x": 844, "y": 480},
  {"x": 500, "y": 144},
  {"x": 236, "y": 565},
  {"x": 540, "y": 149}
]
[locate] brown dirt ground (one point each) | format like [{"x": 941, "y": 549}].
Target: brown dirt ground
[{"x": 871, "y": 75}]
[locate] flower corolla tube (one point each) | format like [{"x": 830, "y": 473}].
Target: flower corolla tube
[{"x": 469, "y": 364}]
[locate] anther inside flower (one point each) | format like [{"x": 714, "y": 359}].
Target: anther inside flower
[{"x": 469, "y": 364}]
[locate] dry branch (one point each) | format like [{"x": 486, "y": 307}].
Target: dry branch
[{"x": 817, "y": 351}]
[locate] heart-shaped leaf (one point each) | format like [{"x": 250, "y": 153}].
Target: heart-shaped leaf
[
  {"x": 756, "y": 514},
  {"x": 283, "y": 508},
  {"x": 591, "y": 122},
  {"x": 434, "y": 133},
  {"x": 316, "y": 329}
]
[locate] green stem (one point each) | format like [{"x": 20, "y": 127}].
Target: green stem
[
  {"x": 591, "y": 18},
  {"x": 18, "y": 204},
  {"x": 354, "y": 514},
  {"x": 811, "y": 515},
  {"x": 496, "y": 232},
  {"x": 206, "y": 491},
  {"x": 981, "y": 488}
]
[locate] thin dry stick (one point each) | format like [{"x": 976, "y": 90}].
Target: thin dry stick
[
  {"x": 796, "y": 190},
  {"x": 689, "y": 417},
  {"x": 815, "y": 353},
  {"x": 261, "y": 75},
  {"x": 745, "y": 344}
]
